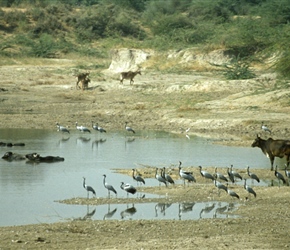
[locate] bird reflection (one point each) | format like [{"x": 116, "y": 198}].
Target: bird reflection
[
  {"x": 110, "y": 213},
  {"x": 184, "y": 208},
  {"x": 162, "y": 207},
  {"x": 207, "y": 209},
  {"x": 220, "y": 210},
  {"x": 88, "y": 215},
  {"x": 129, "y": 140},
  {"x": 84, "y": 139},
  {"x": 97, "y": 142},
  {"x": 128, "y": 212},
  {"x": 63, "y": 140}
]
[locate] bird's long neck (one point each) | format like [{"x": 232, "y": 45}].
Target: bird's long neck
[
  {"x": 104, "y": 181},
  {"x": 84, "y": 183},
  {"x": 122, "y": 185},
  {"x": 133, "y": 173}
]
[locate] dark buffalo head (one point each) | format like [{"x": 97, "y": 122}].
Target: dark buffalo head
[
  {"x": 7, "y": 155},
  {"x": 256, "y": 142}
]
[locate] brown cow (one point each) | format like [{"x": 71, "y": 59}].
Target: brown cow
[
  {"x": 273, "y": 148},
  {"x": 129, "y": 75}
]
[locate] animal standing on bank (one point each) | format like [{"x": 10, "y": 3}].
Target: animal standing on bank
[
  {"x": 80, "y": 77},
  {"x": 273, "y": 148},
  {"x": 129, "y": 75}
]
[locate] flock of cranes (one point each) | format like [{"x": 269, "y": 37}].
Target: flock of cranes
[
  {"x": 95, "y": 126},
  {"x": 220, "y": 181},
  {"x": 164, "y": 178}
]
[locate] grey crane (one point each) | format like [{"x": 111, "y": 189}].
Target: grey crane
[
  {"x": 252, "y": 175},
  {"x": 137, "y": 178},
  {"x": 159, "y": 178},
  {"x": 167, "y": 177},
  {"x": 82, "y": 128},
  {"x": 128, "y": 188},
  {"x": 236, "y": 174},
  {"x": 129, "y": 129},
  {"x": 265, "y": 128},
  {"x": 231, "y": 176},
  {"x": 287, "y": 173},
  {"x": 220, "y": 186},
  {"x": 232, "y": 193},
  {"x": 109, "y": 187},
  {"x": 98, "y": 128},
  {"x": 185, "y": 175},
  {"x": 205, "y": 174},
  {"x": 249, "y": 189},
  {"x": 62, "y": 128},
  {"x": 88, "y": 188},
  {"x": 279, "y": 176},
  {"x": 219, "y": 175}
]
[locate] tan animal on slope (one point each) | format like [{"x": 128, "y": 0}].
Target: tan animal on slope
[
  {"x": 85, "y": 83},
  {"x": 80, "y": 77},
  {"x": 129, "y": 75}
]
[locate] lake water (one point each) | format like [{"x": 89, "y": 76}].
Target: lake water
[{"x": 29, "y": 191}]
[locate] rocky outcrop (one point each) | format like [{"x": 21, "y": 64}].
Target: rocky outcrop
[
  {"x": 215, "y": 57},
  {"x": 127, "y": 59}
]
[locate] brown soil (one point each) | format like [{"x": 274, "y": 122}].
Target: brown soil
[{"x": 230, "y": 111}]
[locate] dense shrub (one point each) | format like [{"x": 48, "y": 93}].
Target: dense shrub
[{"x": 238, "y": 69}]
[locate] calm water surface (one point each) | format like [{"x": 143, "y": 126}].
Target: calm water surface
[{"x": 29, "y": 191}]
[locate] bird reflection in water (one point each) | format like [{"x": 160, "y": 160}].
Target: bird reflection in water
[
  {"x": 83, "y": 139},
  {"x": 162, "y": 207},
  {"x": 97, "y": 142},
  {"x": 110, "y": 213},
  {"x": 63, "y": 140},
  {"x": 129, "y": 212},
  {"x": 206, "y": 210},
  {"x": 88, "y": 215},
  {"x": 220, "y": 210},
  {"x": 184, "y": 208}
]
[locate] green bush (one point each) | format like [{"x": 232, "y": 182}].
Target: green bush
[{"x": 238, "y": 69}]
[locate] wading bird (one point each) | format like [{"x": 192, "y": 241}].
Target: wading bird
[
  {"x": 167, "y": 177},
  {"x": 252, "y": 175},
  {"x": 185, "y": 175},
  {"x": 62, "y": 128},
  {"x": 128, "y": 188},
  {"x": 265, "y": 128},
  {"x": 88, "y": 188},
  {"x": 287, "y": 173},
  {"x": 219, "y": 175},
  {"x": 96, "y": 127},
  {"x": 231, "y": 176},
  {"x": 137, "y": 178},
  {"x": 279, "y": 176},
  {"x": 236, "y": 174},
  {"x": 220, "y": 186},
  {"x": 129, "y": 129},
  {"x": 109, "y": 187},
  {"x": 232, "y": 193},
  {"x": 160, "y": 178},
  {"x": 249, "y": 189},
  {"x": 205, "y": 174},
  {"x": 82, "y": 128}
]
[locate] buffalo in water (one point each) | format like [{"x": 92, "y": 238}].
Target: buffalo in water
[
  {"x": 34, "y": 157},
  {"x": 9, "y": 156}
]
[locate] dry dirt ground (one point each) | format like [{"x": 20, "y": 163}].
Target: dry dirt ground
[{"x": 230, "y": 111}]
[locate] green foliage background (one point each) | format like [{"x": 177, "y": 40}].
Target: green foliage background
[{"x": 54, "y": 28}]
